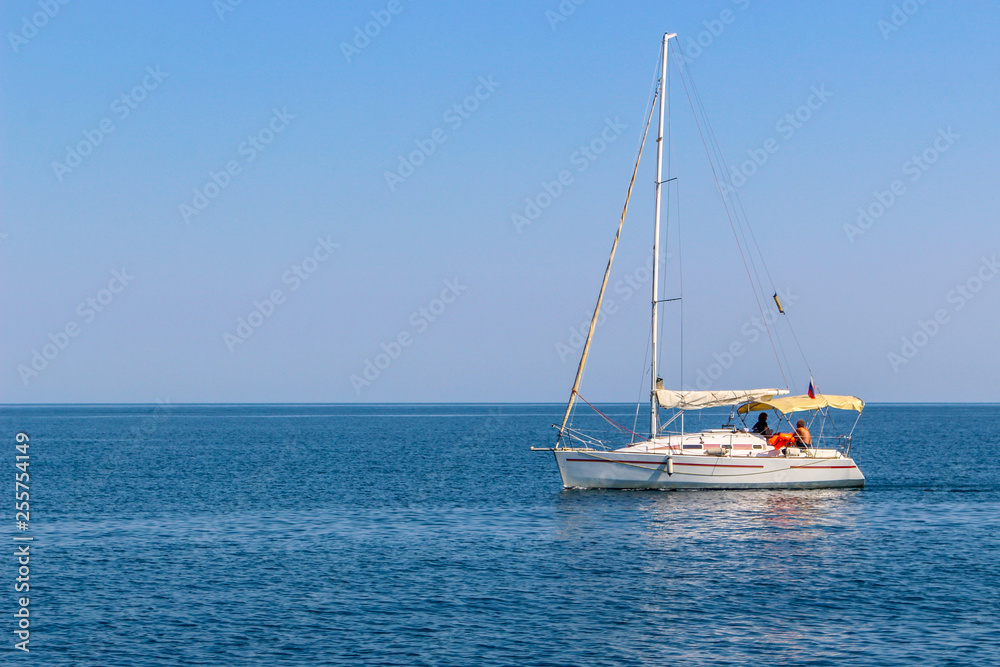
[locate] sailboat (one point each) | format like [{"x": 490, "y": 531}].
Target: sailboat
[{"x": 732, "y": 456}]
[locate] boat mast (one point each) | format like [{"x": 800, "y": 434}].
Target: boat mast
[{"x": 653, "y": 406}]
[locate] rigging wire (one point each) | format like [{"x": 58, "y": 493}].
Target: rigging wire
[
  {"x": 680, "y": 272},
  {"x": 747, "y": 262},
  {"x": 680, "y": 250},
  {"x": 642, "y": 377},
  {"x": 788, "y": 321},
  {"x": 623, "y": 429},
  {"x": 743, "y": 221}
]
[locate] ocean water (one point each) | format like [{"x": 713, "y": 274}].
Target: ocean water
[{"x": 431, "y": 535}]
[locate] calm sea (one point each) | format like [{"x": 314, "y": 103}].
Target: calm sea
[{"x": 431, "y": 535}]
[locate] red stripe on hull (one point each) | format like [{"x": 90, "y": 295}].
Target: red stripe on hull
[
  {"x": 663, "y": 463},
  {"x": 823, "y": 467}
]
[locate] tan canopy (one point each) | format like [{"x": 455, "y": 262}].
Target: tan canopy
[
  {"x": 788, "y": 404},
  {"x": 698, "y": 400}
]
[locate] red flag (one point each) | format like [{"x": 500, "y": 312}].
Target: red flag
[{"x": 812, "y": 390}]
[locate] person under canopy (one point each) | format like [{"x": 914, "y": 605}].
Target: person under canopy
[
  {"x": 761, "y": 425},
  {"x": 802, "y": 435}
]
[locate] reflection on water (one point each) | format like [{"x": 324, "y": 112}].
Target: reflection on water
[{"x": 734, "y": 515}]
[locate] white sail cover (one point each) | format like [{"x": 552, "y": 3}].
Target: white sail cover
[{"x": 698, "y": 400}]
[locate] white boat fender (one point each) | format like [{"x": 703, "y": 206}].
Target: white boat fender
[{"x": 670, "y": 466}]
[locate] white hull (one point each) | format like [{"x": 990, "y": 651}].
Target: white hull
[{"x": 592, "y": 469}]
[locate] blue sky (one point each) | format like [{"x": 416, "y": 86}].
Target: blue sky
[{"x": 230, "y": 233}]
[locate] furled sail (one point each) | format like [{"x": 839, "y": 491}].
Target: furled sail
[{"x": 698, "y": 400}]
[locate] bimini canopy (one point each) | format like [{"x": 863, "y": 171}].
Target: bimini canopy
[
  {"x": 698, "y": 400},
  {"x": 789, "y": 404}
]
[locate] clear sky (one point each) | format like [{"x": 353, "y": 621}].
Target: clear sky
[{"x": 246, "y": 201}]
